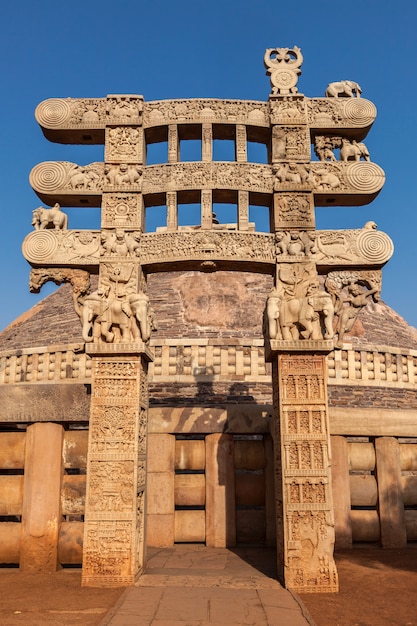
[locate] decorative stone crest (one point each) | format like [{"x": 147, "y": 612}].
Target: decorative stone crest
[{"x": 283, "y": 67}]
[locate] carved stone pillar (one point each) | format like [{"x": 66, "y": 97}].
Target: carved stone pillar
[
  {"x": 206, "y": 209},
  {"x": 173, "y": 144},
  {"x": 172, "y": 210},
  {"x": 114, "y": 549},
  {"x": 241, "y": 149},
  {"x": 207, "y": 143},
  {"x": 243, "y": 210},
  {"x": 304, "y": 508}
]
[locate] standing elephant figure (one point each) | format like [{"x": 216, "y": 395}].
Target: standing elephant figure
[
  {"x": 93, "y": 316},
  {"x": 106, "y": 319},
  {"x": 143, "y": 320},
  {"x": 49, "y": 218},
  {"x": 353, "y": 151},
  {"x": 343, "y": 89}
]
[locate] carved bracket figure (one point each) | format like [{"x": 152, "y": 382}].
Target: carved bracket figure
[
  {"x": 49, "y": 218},
  {"x": 343, "y": 89},
  {"x": 350, "y": 291}
]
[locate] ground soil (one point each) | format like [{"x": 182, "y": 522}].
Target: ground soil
[{"x": 377, "y": 588}]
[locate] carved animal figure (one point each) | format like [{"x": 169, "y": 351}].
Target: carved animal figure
[
  {"x": 271, "y": 327},
  {"x": 343, "y": 89},
  {"x": 79, "y": 180},
  {"x": 49, "y": 218},
  {"x": 101, "y": 318},
  {"x": 326, "y": 179},
  {"x": 143, "y": 320},
  {"x": 353, "y": 151},
  {"x": 301, "y": 316}
]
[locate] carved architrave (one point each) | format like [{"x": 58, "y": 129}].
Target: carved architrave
[
  {"x": 116, "y": 465},
  {"x": 350, "y": 182},
  {"x": 210, "y": 110},
  {"x": 365, "y": 246},
  {"x": 303, "y": 480}
]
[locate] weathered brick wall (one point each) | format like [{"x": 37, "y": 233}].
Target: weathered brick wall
[
  {"x": 372, "y": 397},
  {"x": 212, "y": 394}
]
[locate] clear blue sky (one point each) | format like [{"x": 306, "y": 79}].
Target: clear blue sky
[{"x": 182, "y": 49}]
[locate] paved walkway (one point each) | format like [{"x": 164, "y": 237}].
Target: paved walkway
[{"x": 192, "y": 585}]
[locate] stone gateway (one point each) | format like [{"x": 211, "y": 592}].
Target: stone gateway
[{"x": 199, "y": 429}]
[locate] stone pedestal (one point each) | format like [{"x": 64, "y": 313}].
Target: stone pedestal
[
  {"x": 304, "y": 508},
  {"x": 114, "y": 533}
]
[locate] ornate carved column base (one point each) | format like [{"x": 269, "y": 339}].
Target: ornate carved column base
[
  {"x": 304, "y": 506},
  {"x": 114, "y": 526}
]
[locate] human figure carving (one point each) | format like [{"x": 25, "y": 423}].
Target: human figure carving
[
  {"x": 356, "y": 300},
  {"x": 343, "y": 89},
  {"x": 49, "y": 218}
]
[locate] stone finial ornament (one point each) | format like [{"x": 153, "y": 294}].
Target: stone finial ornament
[{"x": 283, "y": 66}]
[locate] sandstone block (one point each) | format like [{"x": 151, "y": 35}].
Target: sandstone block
[
  {"x": 70, "y": 543},
  {"x": 190, "y": 526},
  {"x": 11, "y": 495},
  {"x": 75, "y": 449},
  {"x": 190, "y": 489},
  {"x": 161, "y": 452},
  {"x": 390, "y": 497},
  {"x": 190, "y": 455},
  {"x": 249, "y": 455},
  {"x": 160, "y": 493},
  {"x": 363, "y": 490},
  {"x": 12, "y": 450},
  {"x": 160, "y": 530}
]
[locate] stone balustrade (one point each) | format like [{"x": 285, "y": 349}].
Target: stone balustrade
[{"x": 179, "y": 360}]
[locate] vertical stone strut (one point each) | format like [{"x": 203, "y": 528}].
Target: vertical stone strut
[
  {"x": 116, "y": 470},
  {"x": 300, "y": 328},
  {"x": 305, "y": 525}
]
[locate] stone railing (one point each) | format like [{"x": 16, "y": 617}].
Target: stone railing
[
  {"x": 45, "y": 364},
  {"x": 182, "y": 360}
]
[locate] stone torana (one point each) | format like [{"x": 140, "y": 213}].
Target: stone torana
[{"x": 322, "y": 280}]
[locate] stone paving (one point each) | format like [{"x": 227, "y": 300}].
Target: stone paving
[{"x": 192, "y": 585}]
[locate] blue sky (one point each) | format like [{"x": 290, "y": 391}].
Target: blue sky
[{"x": 184, "y": 49}]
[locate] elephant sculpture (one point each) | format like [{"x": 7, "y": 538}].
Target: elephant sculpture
[
  {"x": 103, "y": 318},
  {"x": 49, "y": 218},
  {"x": 292, "y": 318},
  {"x": 143, "y": 320},
  {"x": 116, "y": 320},
  {"x": 343, "y": 89},
  {"x": 353, "y": 151},
  {"x": 271, "y": 326}
]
